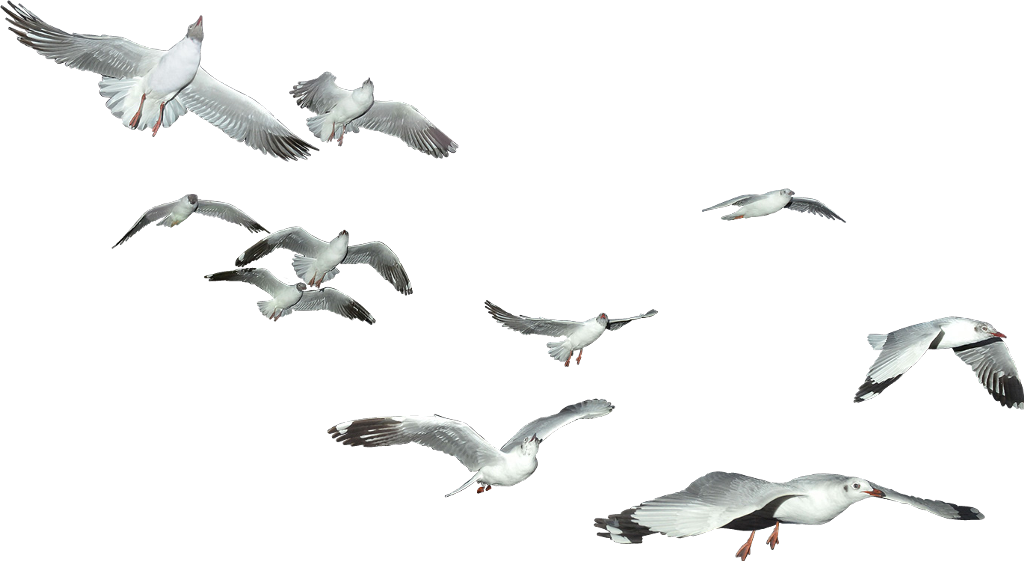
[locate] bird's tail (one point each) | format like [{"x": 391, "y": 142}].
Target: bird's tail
[
  {"x": 306, "y": 266},
  {"x": 621, "y": 528},
  {"x": 560, "y": 350},
  {"x": 123, "y": 98},
  {"x": 267, "y": 309},
  {"x": 320, "y": 125},
  {"x": 877, "y": 341}
]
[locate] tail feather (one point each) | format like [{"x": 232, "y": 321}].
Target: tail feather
[
  {"x": 123, "y": 98},
  {"x": 268, "y": 309},
  {"x": 560, "y": 350},
  {"x": 877, "y": 341},
  {"x": 319, "y": 126},
  {"x": 305, "y": 268},
  {"x": 621, "y": 528}
]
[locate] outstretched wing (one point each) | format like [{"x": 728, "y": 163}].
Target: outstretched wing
[
  {"x": 224, "y": 211},
  {"x": 531, "y": 326},
  {"x": 938, "y": 508},
  {"x": 543, "y": 427},
  {"x": 258, "y": 277},
  {"x": 901, "y": 350},
  {"x": 150, "y": 216},
  {"x": 319, "y": 95},
  {"x": 406, "y": 122},
  {"x": 614, "y": 324},
  {"x": 812, "y": 206},
  {"x": 385, "y": 261},
  {"x": 333, "y": 301},
  {"x": 991, "y": 361},
  {"x": 294, "y": 238},
  {"x": 738, "y": 201}
]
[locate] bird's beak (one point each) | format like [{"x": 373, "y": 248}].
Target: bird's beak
[
  {"x": 875, "y": 493},
  {"x": 998, "y": 334},
  {"x": 199, "y": 21}
]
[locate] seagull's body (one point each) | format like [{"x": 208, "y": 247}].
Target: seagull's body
[
  {"x": 175, "y": 212},
  {"x": 578, "y": 334},
  {"x": 339, "y": 111},
  {"x": 977, "y": 343},
  {"x": 288, "y": 297},
  {"x": 150, "y": 88},
  {"x": 771, "y": 202},
  {"x": 740, "y": 502},
  {"x": 512, "y": 464},
  {"x": 318, "y": 260}
]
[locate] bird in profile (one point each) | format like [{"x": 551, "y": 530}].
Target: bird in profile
[
  {"x": 578, "y": 334},
  {"x": 175, "y": 212},
  {"x": 772, "y": 202},
  {"x": 739, "y": 502},
  {"x": 977, "y": 343},
  {"x": 339, "y": 111},
  {"x": 150, "y": 88},
  {"x": 513, "y": 463},
  {"x": 286, "y": 298},
  {"x": 318, "y": 260}
]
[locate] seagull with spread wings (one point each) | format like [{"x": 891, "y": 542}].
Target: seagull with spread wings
[
  {"x": 175, "y": 212},
  {"x": 286, "y": 298},
  {"x": 772, "y": 202}
]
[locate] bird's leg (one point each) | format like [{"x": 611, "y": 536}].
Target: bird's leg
[
  {"x": 134, "y": 123},
  {"x": 488, "y": 488},
  {"x": 341, "y": 136},
  {"x": 579, "y": 357},
  {"x": 737, "y": 217},
  {"x": 568, "y": 359},
  {"x": 330, "y": 138},
  {"x": 160, "y": 120},
  {"x": 745, "y": 550},
  {"x": 480, "y": 490},
  {"x": 773, "y": 539}
]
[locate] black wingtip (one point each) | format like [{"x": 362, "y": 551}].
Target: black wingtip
[
  {"x": 332, "y": 430},
  {"x": 968, "y": 513}
]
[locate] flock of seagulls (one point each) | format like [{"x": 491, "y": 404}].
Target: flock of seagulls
[{"x": 150, "y": 89}]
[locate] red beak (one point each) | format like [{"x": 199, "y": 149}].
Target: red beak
[
  {"x": 875, "y": 493},
  {"x": 998, "y": 334},
  {"x": 199, "y": 21}
]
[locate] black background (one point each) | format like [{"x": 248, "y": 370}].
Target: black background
[{"x": 589, "y": 142}]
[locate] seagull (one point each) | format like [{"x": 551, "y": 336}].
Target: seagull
[
  {"x": 976, "y": 342},
  {"x": 148, "y": 87},
  {"x": 339, "y": 111},
  {"x": 320, "y": 259},
  {"x": 175, "y": 212},
  {"x": 578, "y": 334},
  {"x": 740, "y": 502},
  {"x": 286, "y": 298},
  {"x": 772, "y": 202},
  {"x": 516, "y": 460}
]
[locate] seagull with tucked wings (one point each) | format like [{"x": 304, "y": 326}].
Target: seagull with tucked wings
[
  {"x": 772, "y": 202},
  {"x": 578, "y": 334},
  {"x": 512, "y": 464},
  {"x": 175, "y": 212},
  {"x": 286, "y": 298}
]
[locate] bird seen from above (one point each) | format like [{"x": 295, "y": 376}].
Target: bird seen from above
[
  {"x": 286, "y": 298},
  {"x": 772, "y": 202},
  {"x": 339, "y": 111},
  {"x": 150, "y": 88},
  {"x": 976, "y": 342},
  {"x": 578, "y": 334},
  {"x": 513, "y": 463},
  {"x": 175, "y": 212}
]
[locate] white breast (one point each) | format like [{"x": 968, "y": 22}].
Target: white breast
[{"x": 175, "y": 70}]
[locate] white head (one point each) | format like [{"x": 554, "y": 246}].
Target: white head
[
  {"x": 602, "y": 319},
  {"x": 786, "y": 192},
  {"x": 195, "y": 31},
  {"x": 855, "y": 489},
  {"x": 530, "y": 446},
  {"x": 343, "y": 235},
  {"x": 367, "y": 85},
  {"x": 986, "y": 330}
]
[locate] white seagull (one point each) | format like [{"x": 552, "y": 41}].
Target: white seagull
[
  {"x": 976, "y": 342},
  {"x": 513, "y": 463},
  {"x": 151, "y": 88},
  {"x": 772, "y": 202},
  {"x": 286, "y": 298},
  {"x": 740, "y": 502},
  {"x": 175, "y": 212},
  {"x": 318, "y": 260},
  {"x": 578, "y": 334},
  {"x": 339, "y": 111}
]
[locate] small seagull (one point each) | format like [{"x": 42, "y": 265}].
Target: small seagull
[
  {"x": 772, "y": 202},
  {"x": 578, "y": 334},
  {"x": 739, "y": 502},
  {"x": 286, "y": 298},
  {"x": 516, "y": 460},
  {"x": 318, "y": 260},
  {"x": 339, "y": 111},
  {"x": 175, "y": 212},
  {"x": 976, "y": 342}
]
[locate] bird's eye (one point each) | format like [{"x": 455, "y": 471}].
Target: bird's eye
[{"x": 856, "y": 485}]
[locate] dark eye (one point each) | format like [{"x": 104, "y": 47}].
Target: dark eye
[{"x": 856, "y": 485}]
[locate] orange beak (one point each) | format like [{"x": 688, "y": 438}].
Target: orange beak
[
  {"x": 875, "y": 493},
  {"x": 998, "y": 334}
]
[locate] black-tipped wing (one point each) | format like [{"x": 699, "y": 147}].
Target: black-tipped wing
[
  {"x": 531, "y": 326},
  {"x": 224, "y": 211},
  {"x": 319, "y": 95},
  {"x": 333, "y": 301},
  {"x": 812, "y": 206},
  {"x": 614, "y": 324},
  {"x": 294, "y": 238},
  {"x": 405, "y": 122},
  {"x": 991, "y": 361},
  {"x": 901, "y": 350},
  {"x": 938, "y": 508},
  {"x": 385, "y": 261},
  {"x": 258, "y": 277},
  {"x": 543, "y": 427},
  {"x": 150, "y": 216}
]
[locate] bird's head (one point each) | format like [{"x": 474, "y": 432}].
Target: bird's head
[
  {"x": 602, "y": 319},
  {"x": 530, "y": 445},
  {"x": 985, "y": 329},
  {"x": 342, "y": 234},
  {"x": 786, "y": 192},
  {"x": 195, "y": 31},
  {"x": 192, "y": 199},
  {"x": 300, "y": 286},
  {"x": 855, "y": 489}
]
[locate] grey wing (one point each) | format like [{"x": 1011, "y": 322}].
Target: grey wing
[
  {"x": 333, "y": 301},
  {"x": 294, "y": 238},
  {"x": 452, "y": 437},
  {"x": 991, "y": 361},
  {"x": 405, "y": 122},
  {"x": 258, "y": 277},
  {"x": 103, "y": 54},
  {"x": 708, "y": 503},
  {"x": 319, "y": 95},
  {"x": 150, "y": 216},
  {"x": 543, "y": 427},
  {"x": 224, "y": 211},
  {"x": 938, "y": 508},
  {"x": 614, "y": 324},
  {"x": 531, "y": 326},
  {"x": 740, "y": 200},
  {"x": 812, "y": 206},
  {"x": 385, "y": 261},
  {"x": 241, "y": 117},
  {"x": 901, "y": 350}
]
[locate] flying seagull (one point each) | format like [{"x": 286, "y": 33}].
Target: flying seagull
[
  {"x": 772, "y": 202},
  {"x": 318, "y": 260},
  {"x": 578, "y": 334},
  {"x": 513, "y": 463},
  {"x": 286, "y": 298},
  {"x": 175, "y": 212},
  {"x": 339, "y": 111},
  {"x": 740, "y": 502},
  {"x": 976, "y": 342},
  {"x": 151, "y": 88}
]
